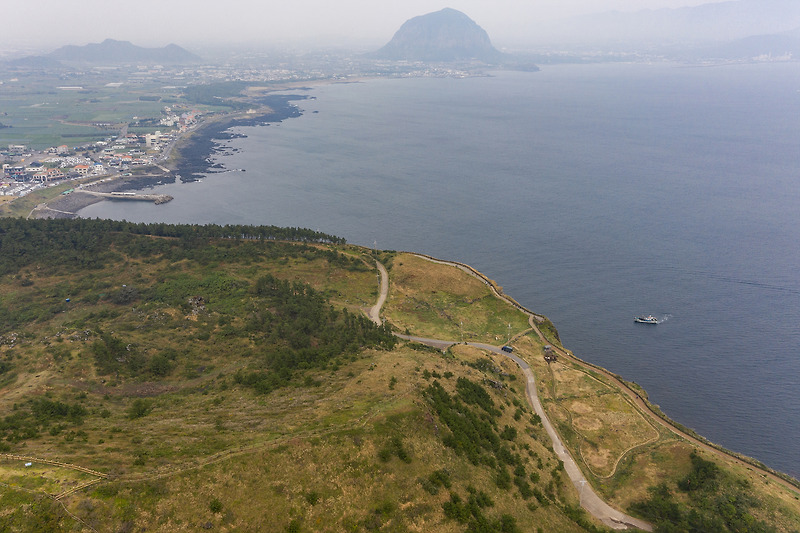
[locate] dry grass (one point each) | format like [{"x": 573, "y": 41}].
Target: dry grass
[
  {"x": 310, "y": 452},
  {"x": 11, "y": 206},
  {"x": 605, "y": 432},
  {"x": 604, "y": 421},
  {"x": 48, "y": 479},
  {"x": 599, "y": 425},
  {"x": 281, "y": 452},
  {"x": 443, "y": 302}
]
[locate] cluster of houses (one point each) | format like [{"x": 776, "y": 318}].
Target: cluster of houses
[
  {"x": 120, "y": 153},
  {"x": 44, "y": 174},
  {"x": 25, "y": 168},
  {"x": 52, "y": 169},
  {"x": 181, "y": 121}
]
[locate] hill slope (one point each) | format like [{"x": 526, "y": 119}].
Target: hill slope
[
  {"x": 782, "y": 45},
  {"x": 177, "y": 378}
]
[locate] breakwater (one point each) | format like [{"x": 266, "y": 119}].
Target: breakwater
[{"x": 155, "y": 198}]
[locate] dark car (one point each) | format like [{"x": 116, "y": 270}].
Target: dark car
[{"x": 508, "y": 349}]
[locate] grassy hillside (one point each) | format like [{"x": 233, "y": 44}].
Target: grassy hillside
[
  {"x": 191, "y": 377},
  {"x": 633, "y": 461},
  {"x": 176, "y": 378}
]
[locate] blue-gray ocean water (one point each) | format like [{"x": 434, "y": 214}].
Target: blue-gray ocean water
[{"x": 592, "y": 193}]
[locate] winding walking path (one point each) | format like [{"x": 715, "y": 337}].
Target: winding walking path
[
  {"x": 632, "y": 394},
  {"x": 375, "y": 312},
  {"x": 589, "y": 499}
]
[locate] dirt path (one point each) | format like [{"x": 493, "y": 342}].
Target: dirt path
[
  {"x": 375, "y": 311},
  {"x": 589, "y": 499}
]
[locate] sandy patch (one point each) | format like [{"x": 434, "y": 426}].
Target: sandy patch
[
  {"x": 585, "y": 423},
  {"x": 597, "y": 459},
  {"x": 581, "y": 408}
]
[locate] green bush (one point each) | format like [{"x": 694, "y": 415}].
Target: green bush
[
  {"x": 140, "y": 408},
  {"x": 703, "y": 476}
]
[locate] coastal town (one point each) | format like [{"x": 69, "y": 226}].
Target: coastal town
[
  {"x": 122, "y": 121},
  {"x": 26, "y": 170}
]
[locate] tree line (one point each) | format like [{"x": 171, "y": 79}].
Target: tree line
[{"x": 87, "y": 244}]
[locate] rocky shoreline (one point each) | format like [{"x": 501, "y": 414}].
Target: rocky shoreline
[{"x": 195, "y": 151}]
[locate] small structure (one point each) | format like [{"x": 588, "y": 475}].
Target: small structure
[
  {"x": 549, "y": 355},
  {"x": 197, "y": 304}
]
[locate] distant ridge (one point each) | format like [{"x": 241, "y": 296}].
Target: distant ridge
[
  {"x": 713, "y": 22},
  {"x": 111, "y": 51},
  {"x": 446, "y": 35},
  {"x": 35, "y": 62}
]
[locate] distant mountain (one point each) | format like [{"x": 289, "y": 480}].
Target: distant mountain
[
  {"x": 446, "y": 35},
  {"x": 706, "y": 23},
  {"x": 116, "y": 52}
]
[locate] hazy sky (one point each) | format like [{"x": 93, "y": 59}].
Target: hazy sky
[{"x": 51, "y": 23}]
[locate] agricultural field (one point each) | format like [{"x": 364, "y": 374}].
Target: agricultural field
[{"x": 42, "y": 110}]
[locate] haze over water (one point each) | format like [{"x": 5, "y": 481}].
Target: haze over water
[{"x": 592, "y": 194}]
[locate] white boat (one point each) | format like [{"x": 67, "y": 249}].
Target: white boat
[{"x": 649, "y": 319}]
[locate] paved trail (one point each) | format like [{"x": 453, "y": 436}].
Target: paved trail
[
  {"x": 643, "y": 406},
  {"x": 375, "y": 312},
  {"x": 589, "y": 499}
]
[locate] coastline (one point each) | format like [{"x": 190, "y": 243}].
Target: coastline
[
  {"x": 68, "y": 205},
  {"x": 579, "y": 486},
  {"x": 192, "y": 151},
  {"x": 194, "y": 132},
  {"x": 636, "y": 393},
  {"x": 187, "y": 159}
]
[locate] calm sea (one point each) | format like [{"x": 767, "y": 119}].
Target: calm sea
[{"x": 591, "y": 193}]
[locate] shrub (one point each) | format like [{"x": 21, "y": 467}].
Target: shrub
[
  {"x": 125, "y": 295},
  {"x": 139, "y": 408},
  {"x": 704, "y": 475},
  {"x": 160, "y": 365},
  {"x": 508, "y": 433},
  {"x": 293, "y": 526}
]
